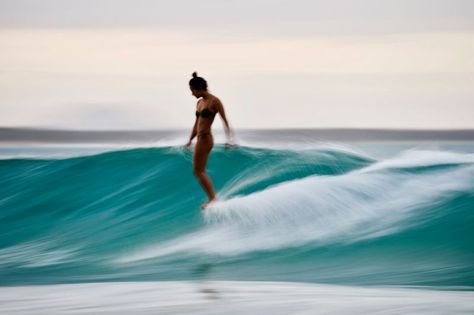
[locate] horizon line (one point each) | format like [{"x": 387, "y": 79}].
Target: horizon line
[{"x": 40, "y": 128}]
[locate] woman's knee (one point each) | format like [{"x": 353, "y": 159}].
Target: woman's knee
[{"x": 198, "y": 172}]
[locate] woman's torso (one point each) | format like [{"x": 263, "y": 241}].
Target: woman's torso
[{"x": 205, "y": 112}]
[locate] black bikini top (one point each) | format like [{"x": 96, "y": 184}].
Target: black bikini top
[{"x": 205, "y": 113}]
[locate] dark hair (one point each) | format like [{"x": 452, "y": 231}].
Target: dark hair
[{"x": 198, "y": 83}]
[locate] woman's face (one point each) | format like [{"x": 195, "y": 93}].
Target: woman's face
[
  {"x": 193, "y": 91},
  {"x": 196, "y": 93}
]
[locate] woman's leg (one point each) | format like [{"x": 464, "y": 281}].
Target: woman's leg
[{"x": 201, "y": 153}]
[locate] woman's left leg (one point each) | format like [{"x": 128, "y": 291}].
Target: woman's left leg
[{"x": 201, "y": 153}]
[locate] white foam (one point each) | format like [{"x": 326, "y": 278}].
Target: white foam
[
  {"x": 422, "y": 158},
  {"x": 229, "y": 297},
  {"x": 36, "y": 253}
]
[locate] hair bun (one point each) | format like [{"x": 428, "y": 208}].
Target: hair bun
[{"x": 197, "y": 83}]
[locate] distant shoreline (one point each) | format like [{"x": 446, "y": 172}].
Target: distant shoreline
[{"x": 63, "y": 136}]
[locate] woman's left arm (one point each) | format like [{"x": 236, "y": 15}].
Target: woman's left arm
[{"x": 221, "y": 111}]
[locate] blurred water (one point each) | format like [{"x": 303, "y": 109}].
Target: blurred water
[{"x": 360, "y": 214}]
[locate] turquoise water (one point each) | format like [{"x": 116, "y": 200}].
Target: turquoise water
[{"x": 322, "y": 214}]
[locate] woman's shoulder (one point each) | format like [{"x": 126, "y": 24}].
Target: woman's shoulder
[{"x": 214, "y": 103}]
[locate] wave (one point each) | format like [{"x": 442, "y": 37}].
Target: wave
[{"x": 326, "y": 214}]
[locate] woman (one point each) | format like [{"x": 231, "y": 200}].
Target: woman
[{"x": 207, "y": 107}]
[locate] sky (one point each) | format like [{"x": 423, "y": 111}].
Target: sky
[{"x": 121, "y": 64}]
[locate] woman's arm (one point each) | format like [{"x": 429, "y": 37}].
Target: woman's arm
[
  {"x": 228, "y": 131},
  {"x": 193, "y": 134}
]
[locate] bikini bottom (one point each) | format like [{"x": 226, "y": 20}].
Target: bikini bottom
[{"x": 204, "y": 134}]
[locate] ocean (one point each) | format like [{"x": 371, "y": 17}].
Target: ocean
[{"x": 304, "y": 224}]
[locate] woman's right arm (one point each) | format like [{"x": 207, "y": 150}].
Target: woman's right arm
[{"x": 193, "y": 134}]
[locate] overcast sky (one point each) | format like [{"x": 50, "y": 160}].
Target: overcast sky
[{"x": 117, "y": 64}]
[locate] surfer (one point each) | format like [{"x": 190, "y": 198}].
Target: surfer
[{"x": 207, "y": 107}]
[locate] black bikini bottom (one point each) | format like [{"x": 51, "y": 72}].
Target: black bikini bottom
[{"x": 204, "y": 134}]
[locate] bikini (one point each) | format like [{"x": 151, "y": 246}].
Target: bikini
[{"x": 205, "y": 113}]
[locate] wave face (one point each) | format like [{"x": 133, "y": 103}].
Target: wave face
[{"x": 322, "y": 215}]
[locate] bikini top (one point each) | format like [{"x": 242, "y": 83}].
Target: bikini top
[{"x": 205, "y": 113}]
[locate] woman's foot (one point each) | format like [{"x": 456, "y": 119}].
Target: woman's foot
[{"x": 204, "y": 205}]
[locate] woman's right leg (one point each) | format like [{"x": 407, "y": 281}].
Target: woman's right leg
[{"x": 201, "y": 153}]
